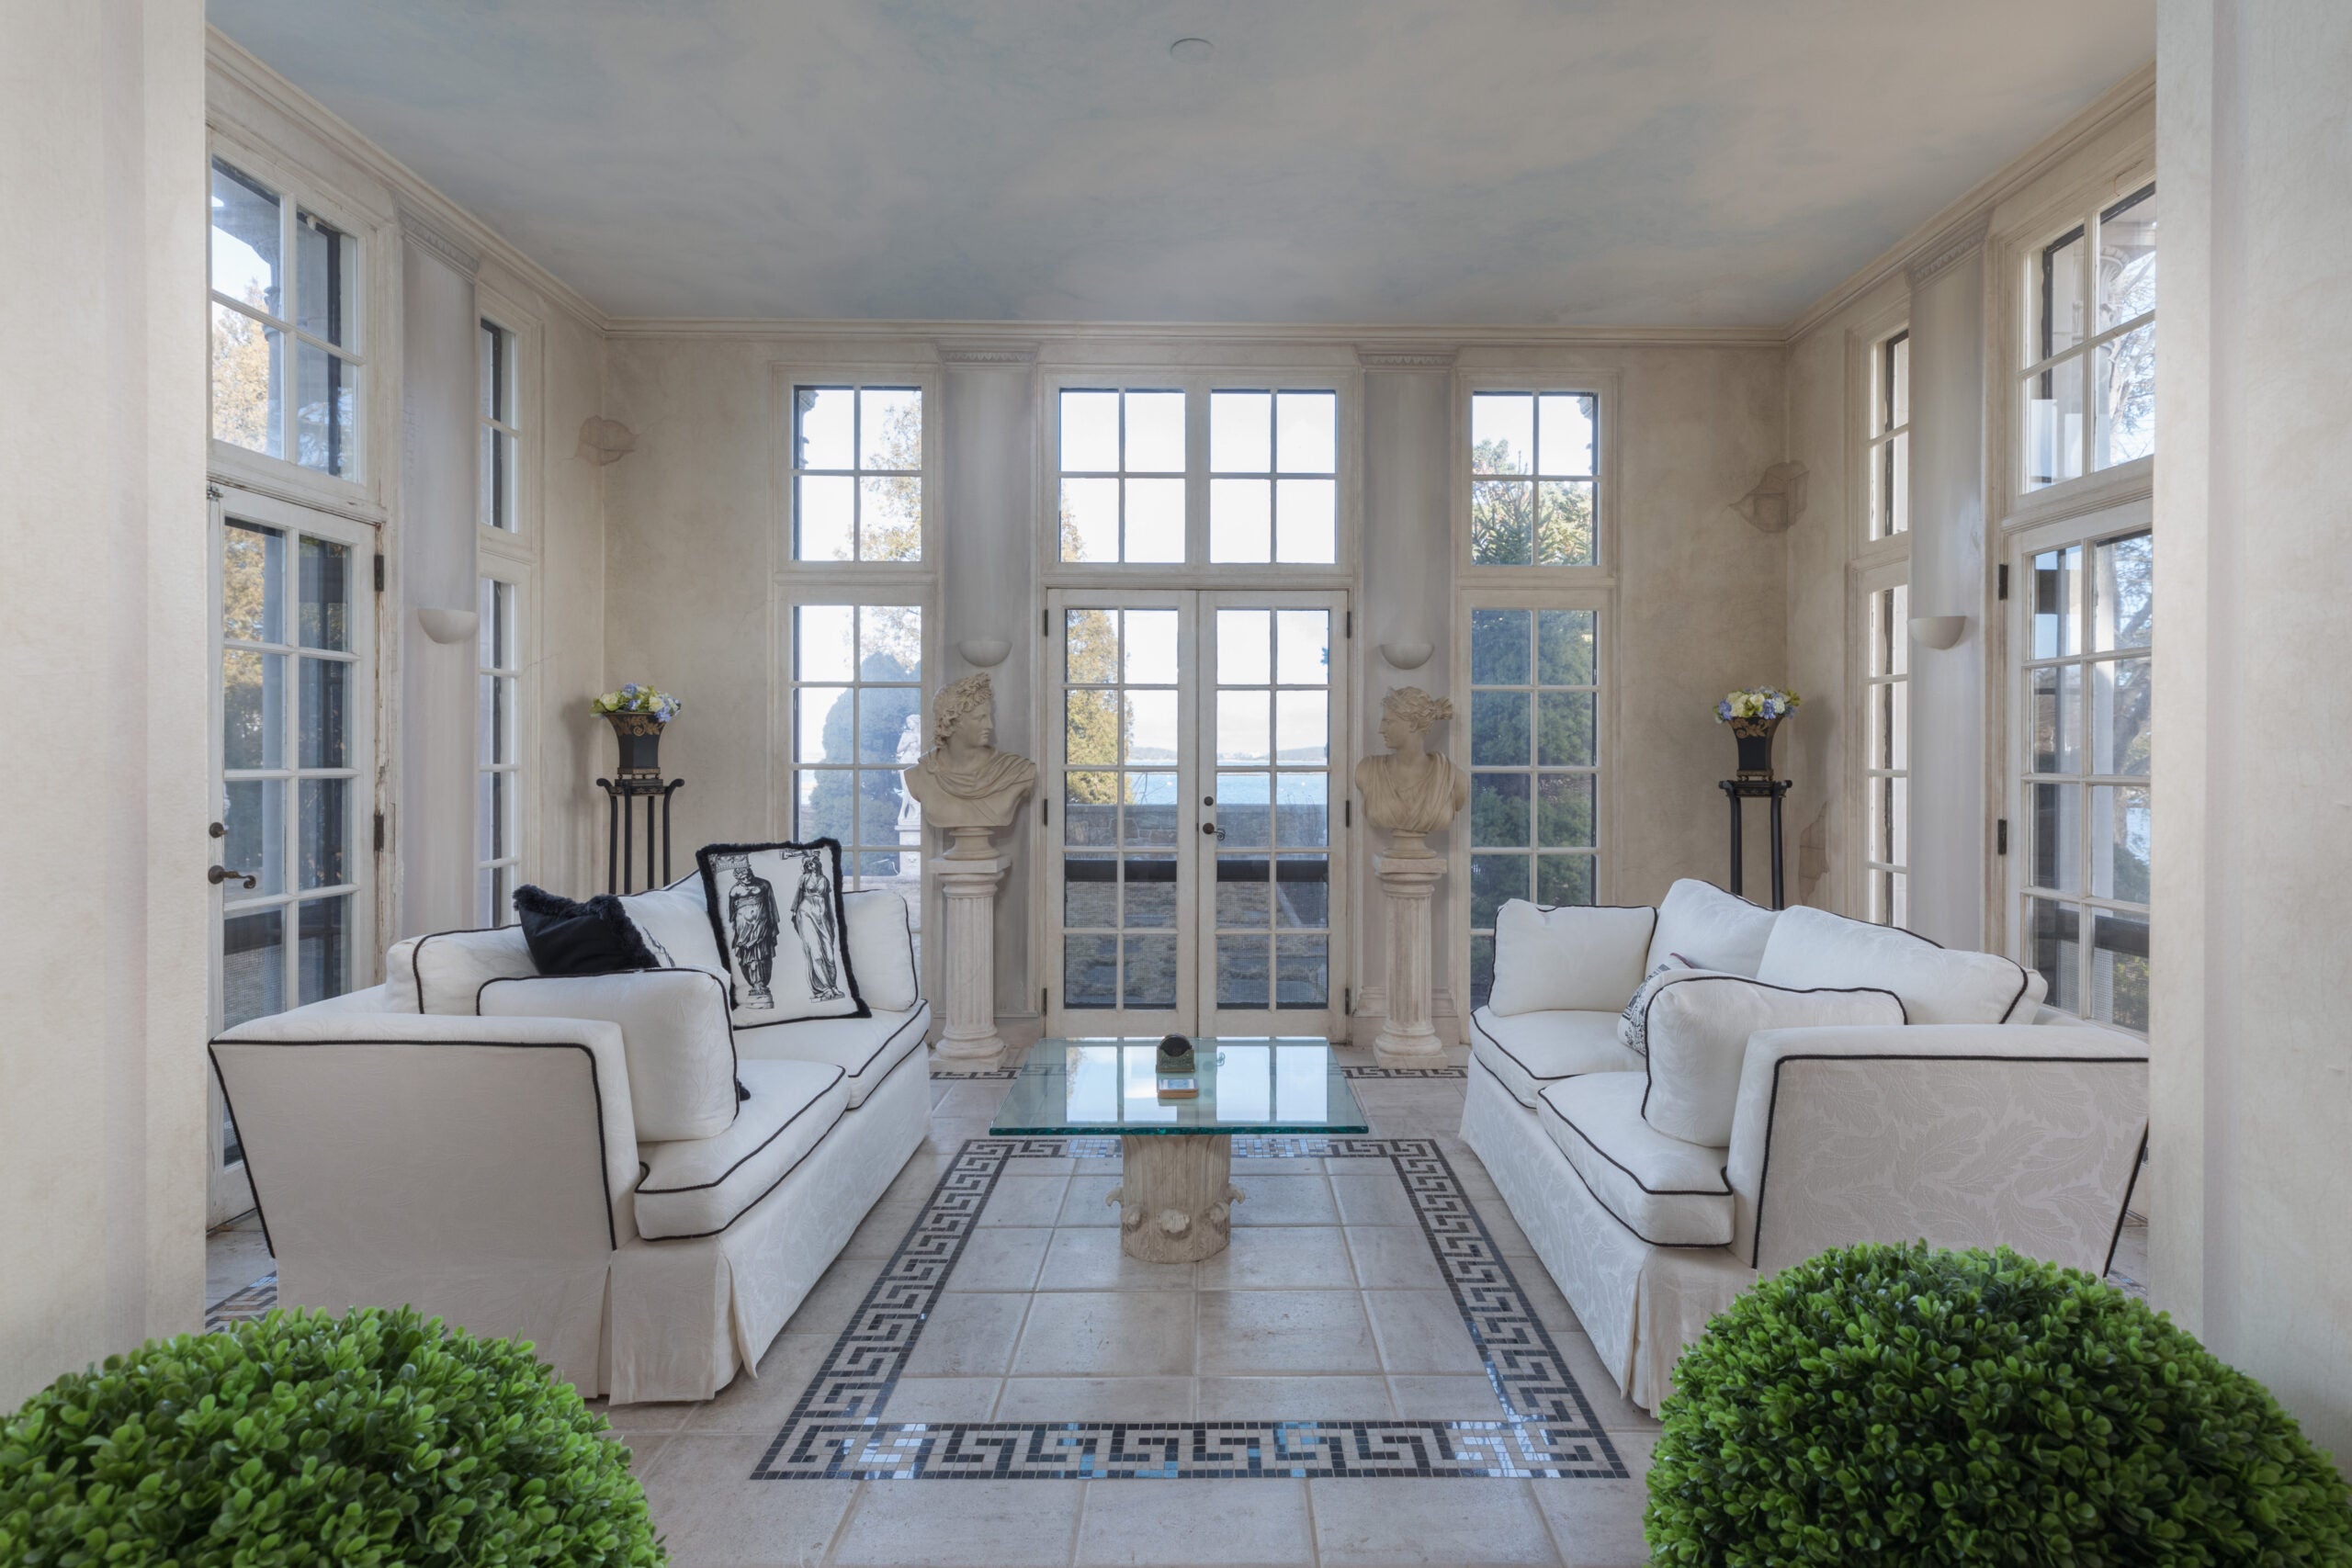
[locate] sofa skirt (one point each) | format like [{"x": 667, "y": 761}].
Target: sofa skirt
[
  {"x": 1641, "y": 1304},
  {"x": 686, "y": 1315}
]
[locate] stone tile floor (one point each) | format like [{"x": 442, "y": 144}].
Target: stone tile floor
[{"x": 1328, "y": 1307}]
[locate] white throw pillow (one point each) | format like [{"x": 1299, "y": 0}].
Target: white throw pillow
[
  {"x": 1575, "y": 958},
  {"x": 1713, "y": 928},
  {"x": 440, "y": 972},
  {"x": 675, "y": 923},
  {"x": 882, "y": 950},
  {"x": 674, "y": 1037},
  {"x": 1813, "y": 948},
  {"x": 777, "y": 913},
  {"x": 1698, "y": 1042}
]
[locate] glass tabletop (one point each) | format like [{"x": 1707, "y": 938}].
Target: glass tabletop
[{"x": 1079, "y": 1087}]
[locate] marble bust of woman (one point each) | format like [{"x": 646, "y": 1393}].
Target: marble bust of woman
[
  {"x": 965, "y": 781},
  {"x": 1412, "y": 791}
]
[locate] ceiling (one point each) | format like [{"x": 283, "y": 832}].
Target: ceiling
[{"x": 1650, "y": 162}]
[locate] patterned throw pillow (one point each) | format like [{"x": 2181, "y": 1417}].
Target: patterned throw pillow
[
  {"x": 1632, "y": 1024},
  {"x": 782, "y": 931}
]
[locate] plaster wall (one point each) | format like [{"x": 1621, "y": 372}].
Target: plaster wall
[
  {"x": 2253, "y": 1070},
  {"x": 103, "y": 523},
  {"x": 695, "y": 546}
]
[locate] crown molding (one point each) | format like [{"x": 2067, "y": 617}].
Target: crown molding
[
  {"x": 461, "y": 233},
  {"x": 1435, "y": 339},
  {"x": 1946, "y": 250},
  {"x": 1009, "y": 353},
  {"x": 423, "y": 232},
  {"x": 1394, "y": 357},
  {"x": 2134, "y": 95}
]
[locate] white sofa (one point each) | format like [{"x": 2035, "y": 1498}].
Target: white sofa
[
  {"x": 473, "y": 1139},
  {"x": 1972, "y": 1116}
]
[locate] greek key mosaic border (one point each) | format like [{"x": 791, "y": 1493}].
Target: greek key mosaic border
[
  {"x": 242, "y": 1306},
  {"x": 1006, "y": 1075},
  {"x": 1543, "y": 1424}
]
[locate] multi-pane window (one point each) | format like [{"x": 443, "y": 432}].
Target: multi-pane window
[
  {"x": 501, "y": 436},
  {"x": 857, "y": 719},
  {"x": 286, "y": 365},
  {"x": 1889, "y": 437},
  {"x": 1886, "y": 740},
  {"x": 1122, "y": 461},
  {"x": 1534, "y": 767},
  {"x": 1274, "y": 828},
  {"x": 1273, "y": 476},
  {"x": 1533, "y": 478},
  {"x": 857, "y": 473},
  {"x": 2085, "y": 786},
  {"x": 2090, "y": 396},
  {"x": 1121, "y": 752},
  {"x": 497, "y": 752}
]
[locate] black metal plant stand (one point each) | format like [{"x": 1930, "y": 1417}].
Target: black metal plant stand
[
  {"x": 620, "y": 834},
  {"x": 1737, "y": 790}
]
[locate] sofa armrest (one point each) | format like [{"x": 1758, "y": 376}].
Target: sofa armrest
[
  {"x": 2021, "y": 1135},
  {"x": 433, "y": 1136},
  {"x": 677, "y": 1035}
]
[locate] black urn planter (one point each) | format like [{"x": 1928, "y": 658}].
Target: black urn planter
[
  {"x": 1754, "y": 738},
  {"x": 640, "y": 735}
]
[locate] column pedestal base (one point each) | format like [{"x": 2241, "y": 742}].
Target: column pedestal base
[
  {"x": 967, "y": 880},
  {"x": 1407, "y": 1038},
  {"x": 1175, "y": 1197}
]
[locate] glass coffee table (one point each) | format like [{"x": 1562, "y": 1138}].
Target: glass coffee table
[{"x": 1175, "y": 1189}]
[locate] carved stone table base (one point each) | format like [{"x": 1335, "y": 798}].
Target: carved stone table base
[
  {"x": 1175, "y": 1197},
  {"x": 1407, "y": 1038}
]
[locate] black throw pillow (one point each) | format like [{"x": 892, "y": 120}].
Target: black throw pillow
[{"x": 568, "y": 937}]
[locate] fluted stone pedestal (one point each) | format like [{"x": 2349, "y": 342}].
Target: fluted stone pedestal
[
  {"x": 968, "y": 876},
  {"x": 1407, "y": 1038},
  {"x": 1175, "y": 1196}
]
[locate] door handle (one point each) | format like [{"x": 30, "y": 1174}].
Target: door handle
[
  {"x": 221, "y": 874},
  {"x": 1209, "y": 828}
]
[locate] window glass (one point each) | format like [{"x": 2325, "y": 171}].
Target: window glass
[
  {"x": 857, "y": 481},
  {"x": 2087, "y": 397},
  {"x": 1533, "y": 465},
  {"x": 857, "y": 719},
  {"x": 286, "y": 380}
]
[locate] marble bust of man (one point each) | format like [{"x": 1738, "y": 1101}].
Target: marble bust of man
[
  {"x": 1412, "y": 791},
  {"x": 965, "y": 781}
]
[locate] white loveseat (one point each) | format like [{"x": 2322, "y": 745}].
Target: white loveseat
[
  {"x": 480, "y": 1141},
  {"x": 1966, "y": 1114}
]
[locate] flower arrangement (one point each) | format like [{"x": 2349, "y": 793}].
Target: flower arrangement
[
  {"x": 1757, "y": 701},
  {"x": 634, "y": 698}
]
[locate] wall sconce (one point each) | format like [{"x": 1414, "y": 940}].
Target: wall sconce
[
  {"x": 448, "y": 625},
  {"x": 987, "y": 652},
  {"x": 1406, "y": 655},
  {"x": 1938, "y": 631}
]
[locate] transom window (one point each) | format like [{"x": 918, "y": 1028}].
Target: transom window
[
  {"x": 501, "y": 432},
  {"x": 1886, "y": 740},
  {"x": 1123, "y": 475},
  {"x": 1889, "y": 434},
  {"x": 1534, "y": 478},
  {"x": 857, "y": 719},
  {"x": 1534, "y": 767},
  {"x": 2088, "y": 630},
  {"x": 857, "y": 472},
  {"x": 498, "y": 764},
  {"x": 284, "y": 288},
  {"x": 1273, "y": 476},
  {"x": 2090, "y": 377}
]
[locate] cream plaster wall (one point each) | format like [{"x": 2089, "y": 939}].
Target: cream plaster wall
[
  {"x": 102, "y": 520},
  {"x": 2252, "y": 1081}
]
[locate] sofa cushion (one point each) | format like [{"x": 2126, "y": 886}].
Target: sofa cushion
[
  {"x": 776, "y": 913},
  {"x": 674, "y": 1036},
  {"x": 1710, "y": 928},
  {"x": 1812, "y": 948},
  {"x": 698, "y": 1186},
  {"x": 1666, "y": 1191},
  {"x": 675, "y": 923},
  {"x": 1532, "y": 1049},
  {"x": 864, "y": 1049},
  {"x": 882, "y": 949},
  {"x": 440, "y": 972},
  {"x": 1575, "y": 958},
  {"x": 1698, "y": 1027}
]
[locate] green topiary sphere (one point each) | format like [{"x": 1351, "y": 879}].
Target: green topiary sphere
[
  {"x": 1900, "y": 1404},
  {"x": 376, "y": 1439}
]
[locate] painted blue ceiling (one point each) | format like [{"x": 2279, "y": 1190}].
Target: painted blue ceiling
[{"x": 1654, "y": 163}]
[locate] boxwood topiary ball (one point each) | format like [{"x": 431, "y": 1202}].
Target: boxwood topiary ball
[
  {"x": 1901, "y": 1405},
  {"x": 373, "y": 1439}
]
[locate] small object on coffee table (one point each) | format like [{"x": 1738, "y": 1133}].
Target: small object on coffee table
[{"x": 1175, "y": 1054}]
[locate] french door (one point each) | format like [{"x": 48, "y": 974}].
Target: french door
[
  {"x": 293, "y": 748},
  {"x": 1196, "y": 813}
]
